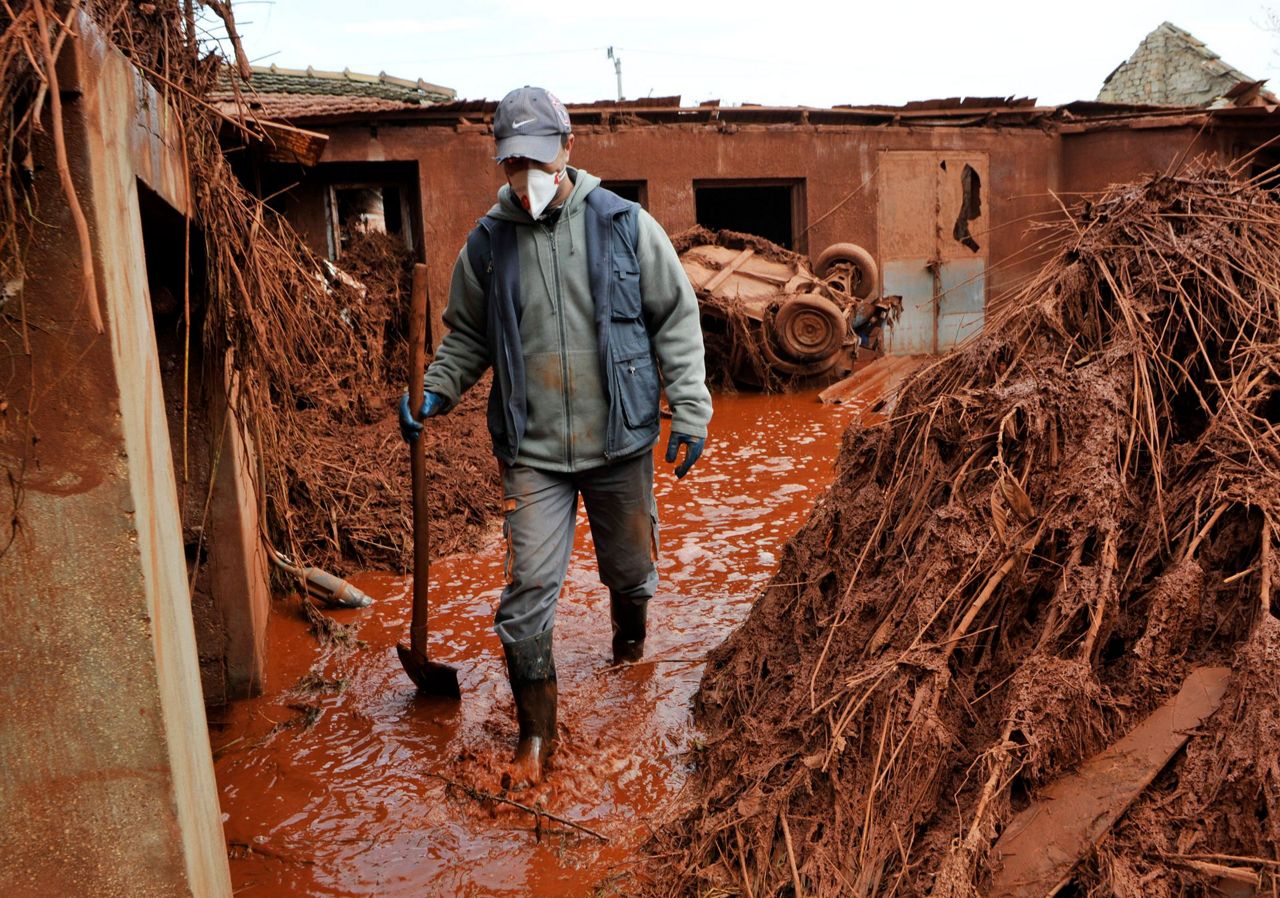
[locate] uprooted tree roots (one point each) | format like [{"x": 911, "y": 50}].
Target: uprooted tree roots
[{"x": 1057, "y": 525}]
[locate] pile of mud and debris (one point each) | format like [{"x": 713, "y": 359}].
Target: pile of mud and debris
[
  {"x": 349, "y": 490},
  {"x": 1063, "y": 525}
]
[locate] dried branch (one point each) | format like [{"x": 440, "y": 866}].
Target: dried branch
[
  {"x": 1060, "y": 519},
  {"x": 538, "y": 813},
  {"x": 223, "y": 11},
  {"x": 89, "y": 279}
]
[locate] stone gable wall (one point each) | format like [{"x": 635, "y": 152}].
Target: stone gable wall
[{"x": 1172, "y": 68}]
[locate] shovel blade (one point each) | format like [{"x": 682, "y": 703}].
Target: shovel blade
[{"x": 431, "y": 677}]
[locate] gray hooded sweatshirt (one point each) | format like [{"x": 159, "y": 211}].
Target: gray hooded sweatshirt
[{"x": 566, "y": 396}]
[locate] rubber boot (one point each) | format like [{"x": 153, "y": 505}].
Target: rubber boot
[
  {"x": 532, "y": 671},
  {"x": 629, "y": 617}
]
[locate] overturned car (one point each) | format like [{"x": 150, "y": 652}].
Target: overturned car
[{"x": 771, "y": 320}]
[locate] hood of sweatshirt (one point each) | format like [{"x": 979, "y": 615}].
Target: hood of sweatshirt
[{"x": 508, "y": 205}]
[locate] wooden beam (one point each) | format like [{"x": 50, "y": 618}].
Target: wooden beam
[
  {"x": 286, "y": 143},
  {"x": 1043, "y": 844},
  {"x": 724, "y": 273}
]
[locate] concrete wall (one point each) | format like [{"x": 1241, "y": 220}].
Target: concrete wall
[{"x": 107, "y": 784}]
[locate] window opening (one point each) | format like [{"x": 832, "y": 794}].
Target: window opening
[
  {"x": 636, "y": 191},
  {"x": 766, "y": 209}
]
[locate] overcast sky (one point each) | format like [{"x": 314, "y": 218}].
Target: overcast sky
[{"x": 790, "y": 52}]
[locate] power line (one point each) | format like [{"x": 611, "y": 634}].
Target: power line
[
  {"x": 753, "y": 61},
  {"x": 510, "y": 55}
]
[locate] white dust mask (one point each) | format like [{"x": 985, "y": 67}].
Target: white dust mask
[{"x": 538, "y": 190}]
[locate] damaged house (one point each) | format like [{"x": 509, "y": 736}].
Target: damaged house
[
  {"x": 159, "y": 328},
  {"x": 939, "y": 192}
]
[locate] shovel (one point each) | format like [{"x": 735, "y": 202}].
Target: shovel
[{"x": 431, "y": 677}]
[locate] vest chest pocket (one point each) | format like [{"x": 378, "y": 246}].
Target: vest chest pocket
[
  {"x": 629, "y": 335},
  {"x": 626, "y": 292},
  {"x": 638, "y": 390}
]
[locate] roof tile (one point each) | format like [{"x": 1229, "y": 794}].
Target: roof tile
[
  {"x": 269, "y": 83},
  {"x": 286, "y": 107}
]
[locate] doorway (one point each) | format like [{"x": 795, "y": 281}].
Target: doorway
[{"x": 933, "y": 241}]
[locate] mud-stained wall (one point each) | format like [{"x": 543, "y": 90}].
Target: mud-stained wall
[
  {"x": 107, "y": 785},
  {"x": 1095, "y": 160},
  {"x": 836, "y": 166}
]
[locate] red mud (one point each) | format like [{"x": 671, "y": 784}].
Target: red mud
[
  {"x": 346, "y": 469},
  {"x": 348, "y": 805}
]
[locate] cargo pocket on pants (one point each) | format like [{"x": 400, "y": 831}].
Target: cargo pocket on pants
[{"x": 509, "y": 564}]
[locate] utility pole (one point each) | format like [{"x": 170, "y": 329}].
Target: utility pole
[{"x": 617, "y": 70}]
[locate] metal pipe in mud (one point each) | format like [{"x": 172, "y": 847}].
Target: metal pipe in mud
[{"x": 328, "y": 588}]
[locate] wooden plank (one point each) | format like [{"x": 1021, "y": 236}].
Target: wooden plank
[
  {"x": 872, "y": 382},
  {"x": 285, "y": 143},
  {"x": 1042, "y": 845},
  {"x": 858, "y": 383},
  {"x": 724, "y": 273},
  {"x": 1230, "y": 882}
]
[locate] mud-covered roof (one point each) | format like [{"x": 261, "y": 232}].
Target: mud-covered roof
[
  {"x": 312, "y": 99},
  {"x": 950, "y": 112}
]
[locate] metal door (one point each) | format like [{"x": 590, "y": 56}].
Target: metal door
[{"x": 933, "y": 246}]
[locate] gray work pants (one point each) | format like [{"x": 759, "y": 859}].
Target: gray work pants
[{"x": 541, "y": 509}]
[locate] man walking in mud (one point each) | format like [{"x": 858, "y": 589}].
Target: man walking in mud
[{"x": 577, "y": 300}]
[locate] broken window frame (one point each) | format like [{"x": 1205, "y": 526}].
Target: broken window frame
[{"x": 970, "y": 206}]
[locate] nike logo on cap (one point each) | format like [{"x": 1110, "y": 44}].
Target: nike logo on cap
[{"x": 522, "y": 122}]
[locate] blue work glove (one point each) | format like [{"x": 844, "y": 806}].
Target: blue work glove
[
  {"x": 691, "y": 454},
  {"x": 410, "y": 426}
]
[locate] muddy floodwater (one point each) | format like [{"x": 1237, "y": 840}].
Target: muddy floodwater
[{"x": 333, "y": 783}]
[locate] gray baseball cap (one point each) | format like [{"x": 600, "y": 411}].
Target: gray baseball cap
[{"x": 529, "y": 122}]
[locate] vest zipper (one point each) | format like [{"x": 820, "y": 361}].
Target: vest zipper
[{"x": 564, "y": 354}]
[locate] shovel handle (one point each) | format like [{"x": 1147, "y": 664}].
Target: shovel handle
[{"x": 418, "y": 459}]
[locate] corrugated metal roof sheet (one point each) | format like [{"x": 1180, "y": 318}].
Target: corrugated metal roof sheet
[{"x": 957, "y": 103}]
